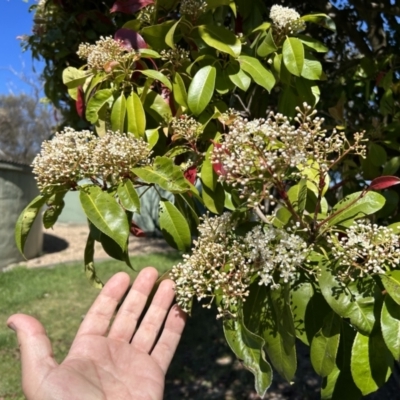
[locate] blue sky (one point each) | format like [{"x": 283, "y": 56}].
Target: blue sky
[{"x": 15, "y": 20}]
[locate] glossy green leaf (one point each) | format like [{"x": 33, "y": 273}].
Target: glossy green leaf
[
  {"x": 154, "y": 35},
  {"x": 369, "y": 362},
  {"x": 114, "y": 250},
  {"x": 118, "y": 112},
  {"x": 179, "y": 90},
  {"x": 201, "y": 89},
  {"x": 391, "y": 282},
  {"x": 267, "y": 46},
  {"x": 312, "y": 69},
  {"x": 55, "y": 206},
  {"x": 282, "y": 217},
  {"x": 220, "y": 39},
  {"x": 73, "y": 77},
  {"x": 152, "y": 136},
  {"x": 248, "y": 347},
  {"x": 297, "y": 195},
  {"x": 148, "y": 53},
  {"x": 165, "y": 174},
  {"x": 313, "y": 43},
  {"x": 214, "y": 200},
  {"x": 267, "y": 313},
  {"x": 26, "y": 220},
  {"x": 136, "y": 118},
  {"x": 157, "y": 107},
  {"x": 329, "y": 383},
  {"x": 390, "y": 323},
  {"x": 157, "y": 75},
  {"x": 90, "y": 270},
  {"x": 96, "y": 102},
  {"x": 105, "y": 214},
  {"x": 238, "y": 77},
  {"x": 208, "y": 176},
  {"x": 293, "y": 55},
  {"x": 257, "y": 71},
  {"x": 320, "y": 19},
  {"x": 128, "y": 196},
  {"x": 174, "y": 226},
  {"x": 325, "y": 345},
  {"x": 391, "y": 166},
  {"x": 356, "y": 301},
  {"x": 263, "y": 27},
  {"x": 169, "y": 37},
  {"x": 356, "y": 205}
]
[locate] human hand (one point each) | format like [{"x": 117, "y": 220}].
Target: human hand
[{"x": 123, "y": 361}]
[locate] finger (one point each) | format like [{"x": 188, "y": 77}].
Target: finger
[
  {"x": 97, "y": 319},
  {"x": 36, "y": 353},
  {"x": 165, "y": 348},
  {"x": 129, "y": 313},
  {"x": 152, "y": 322}
]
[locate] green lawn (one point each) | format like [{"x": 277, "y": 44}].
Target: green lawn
[{"x": 203, "y": 367}]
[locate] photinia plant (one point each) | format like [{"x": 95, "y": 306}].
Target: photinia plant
[{"x": 181, "y": 100}]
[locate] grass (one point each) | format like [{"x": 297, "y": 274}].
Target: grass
[{"x": 203, "y": 367}]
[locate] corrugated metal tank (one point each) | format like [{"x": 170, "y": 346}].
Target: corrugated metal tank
[{"x": 17, "y": 189}]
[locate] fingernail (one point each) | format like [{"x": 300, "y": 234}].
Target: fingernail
[{"x": 12, "y": 326}]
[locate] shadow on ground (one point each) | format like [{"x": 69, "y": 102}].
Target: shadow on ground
[{"x": 53, "y": 244}]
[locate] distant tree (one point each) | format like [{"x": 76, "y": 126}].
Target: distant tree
[{"x": 24, "y": 123}]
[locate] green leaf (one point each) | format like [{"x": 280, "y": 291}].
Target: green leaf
[
  {"x": 148, "y": 53},
  {"x": 96, "y": 102},
  {"x": 114, "y": 250},
  {"x": 159, "y": 76},
  {"x": 293, "y": 55},
  {"x": 282, "y": 217},
  {"x": 179, "y": 90},
  {"x": 73, "y": 77},
  {"x": 390, "y": 323},
  {"x": 391, "y": 167},
  {"x": 356, "y": 205},
  {"x": 136, "y": 118},
  {"x": 220, "y": 39},
  {"x": 214, "y": 200},
  {"x": 249, "y": 347},
  {"x": 174, "y": 226},
  {"x": 208, "y": 176},
  {"x": 105, "y": 214},
  {"x": 55, "y": 206},
  {"x": 391, "y": 282},
  {"x": 257, "y": 71},
  {"x": 320, "y": 19},
  {"x": 313, "y": 43},
  {"x": 298, "y": 195},
  {"x": 118, "y": 114},
  {"x": 201, "y": 89},
  {"x": 377, "y": 154},
  {"x": 154, "y": 35},
  {"x": 267, "y": 46},
  {"x": 152, "y": 136},
  {"x": 356, "y": 301},
  {"x": 165, "y": 174},
  {"x": 369, "y": 362},
  {"x": 26, "y": 220},
  {"x": 312, "y": 69},
  {"x": 169, "y": 37},
  {"x": 128, "y": 196},
  {"x": 238, "y": 76},
  {"x": 325, "y": 345},
  {"x": 157, "y": 107},
  {"x": 90, "y": 270},
  {"x": 267, "y": 313}
]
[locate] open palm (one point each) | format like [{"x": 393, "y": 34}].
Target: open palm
[{"x": 121, "y": 361}]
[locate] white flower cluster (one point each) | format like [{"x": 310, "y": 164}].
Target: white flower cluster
[
  {"x": 223, "y": 264},
  {"x": 105, "y": 54},
  {"x": 262, "y": 152},
  {"x": 74, "y": 155},
  {"x": 193, "y": 8},
  {"x": 274, "y": 249},
  {"x": 176, "y": 56},
  {"x": 186, "y": 127},
  {"x": 286, "y": 18},
  {"x": 366, "y": 249}
]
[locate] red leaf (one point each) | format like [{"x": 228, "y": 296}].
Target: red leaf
[
  {"x": 131, "y": 40},
  {"x": 80, "y": 102},
  {"x": 191, "y": 174},
  {"x": 384, "y": 182},
  {"x": 217, "y": 167},
  {"x": 136, "y": 231},
  {"x": 130, "y": 6}
]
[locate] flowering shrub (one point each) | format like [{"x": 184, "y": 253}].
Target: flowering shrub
[{"x": 280, "y": 252}]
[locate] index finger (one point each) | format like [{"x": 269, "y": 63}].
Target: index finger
[{"x": 97, "y": 319}]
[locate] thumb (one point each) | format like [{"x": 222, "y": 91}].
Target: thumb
[{"x": 36, "y": 353}]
